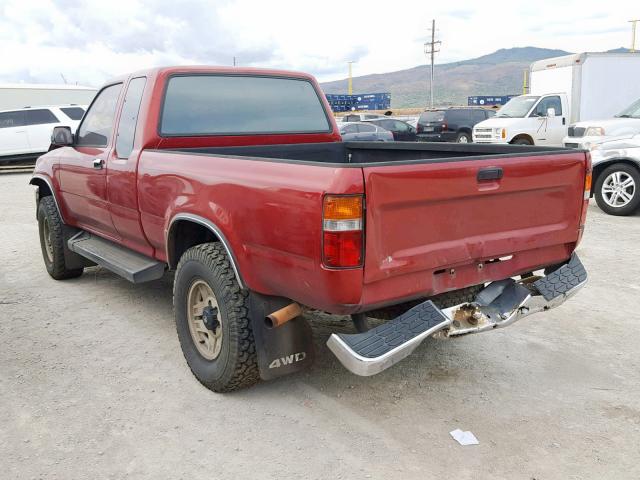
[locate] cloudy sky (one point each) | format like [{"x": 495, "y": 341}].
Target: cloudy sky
[{"x": 90, "y": 41}]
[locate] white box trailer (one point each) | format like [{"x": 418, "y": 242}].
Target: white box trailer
[
  {"x": 15, "y": 96},
  {"x": 597, "y": 85},
  {"x": 564, "y": 90}
]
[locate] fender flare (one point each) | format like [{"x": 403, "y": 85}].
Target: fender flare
[
  {"x": 190, "y": 217},
  {"x": 34, "y": 181}
]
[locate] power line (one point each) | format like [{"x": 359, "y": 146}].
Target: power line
[{"x": 431, "y": 48}]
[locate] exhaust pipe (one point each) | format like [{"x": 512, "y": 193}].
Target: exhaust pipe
[{"x": 282, "y": 316}]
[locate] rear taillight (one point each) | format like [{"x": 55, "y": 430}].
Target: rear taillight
[
  {"x": 342, "y": 231},
  {"x": 588, "y": 178}
]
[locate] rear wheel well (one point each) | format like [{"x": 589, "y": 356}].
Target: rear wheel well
[
  {"x": 522, "y": 136},
  {"x": 600, "y": 167},
  {"x": 185, "y": 234}
]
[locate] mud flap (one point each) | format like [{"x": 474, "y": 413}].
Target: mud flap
[
  {"x": 71, "y": 259},
  {"x": 283, "y": 350}
]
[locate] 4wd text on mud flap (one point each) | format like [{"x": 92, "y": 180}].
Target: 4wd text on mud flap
[{"x": 288, "y": 360}]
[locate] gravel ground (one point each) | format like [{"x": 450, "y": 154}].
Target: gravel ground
[{"x": 93, "y": 385}]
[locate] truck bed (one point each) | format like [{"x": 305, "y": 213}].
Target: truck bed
[
  {"x": 431, "y": 223},
  {"x": 360, "y": 153}
]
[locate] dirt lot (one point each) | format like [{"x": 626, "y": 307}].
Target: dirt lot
[{"x": 93, "y": 385}]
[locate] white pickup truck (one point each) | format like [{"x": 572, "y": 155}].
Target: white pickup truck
[{"x": 564, "y": 90}]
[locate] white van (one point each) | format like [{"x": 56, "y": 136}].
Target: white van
[
  {"x": 564, "y": 90},
  {"x": 26, "y": 133}
]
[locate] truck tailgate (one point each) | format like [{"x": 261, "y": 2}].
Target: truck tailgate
[{"x": 427, "y": 220}]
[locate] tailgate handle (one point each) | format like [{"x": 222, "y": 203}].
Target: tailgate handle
[{"x": 490, "y": 173}]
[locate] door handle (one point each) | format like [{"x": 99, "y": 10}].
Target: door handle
[
  {"x": 98, "y": 163},
  {"x": 490, "y": 173}
]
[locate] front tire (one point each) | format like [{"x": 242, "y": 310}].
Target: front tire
[
  {"x": 617, "y": 189},
  {"x": 52, "y": 241},
  {"x": 463, "y": 138},
  {"x": 212, "y": 320},
  {"x": 522, "y": 141}
]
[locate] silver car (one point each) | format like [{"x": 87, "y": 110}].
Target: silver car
[
  {"x": 616, "y": 175},
  {"x": 364, "y": 132}
]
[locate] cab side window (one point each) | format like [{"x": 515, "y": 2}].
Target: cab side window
[
  {"x": 547, "y": 103},
  {"x": 363, "y": 128},
  {"x": 129, "y": 117},
  {"x": 97, "y": 125},
  {"x": 11, "y": 119},
  {"x": 40, "y": 117}
]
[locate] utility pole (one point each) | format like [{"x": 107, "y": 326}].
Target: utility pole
[
  {"x": 350, "y": 83},
  {"x": 234, "y": 61},
  {"x": 633, "y": 34},
  {"x": 431, "y": 48}
]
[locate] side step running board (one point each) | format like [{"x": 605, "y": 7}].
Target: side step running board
[
  {"x": 133, "y": 266},
  {"x": 498, "y": 305}
]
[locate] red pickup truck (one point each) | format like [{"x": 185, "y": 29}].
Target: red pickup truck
[{"x": 238, "y": 180}]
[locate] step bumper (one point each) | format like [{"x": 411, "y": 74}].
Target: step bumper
[{"x": 498, "y": 305}]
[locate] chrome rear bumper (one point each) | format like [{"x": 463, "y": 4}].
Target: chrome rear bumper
[{"x": 498, "y": 305}]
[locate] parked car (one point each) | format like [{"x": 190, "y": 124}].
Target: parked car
[
  {"x": 239, "y": 181},
  {"x": 453, "y": 124},
  {"x": 26, "y": 133},
  {"x": 402, "y": 131},
  {"x": 587, "y": 134},
  {"x": 360, "y": 117},
  {"x": 616, "y": 174},
  {"x": 364, "y": 132}
]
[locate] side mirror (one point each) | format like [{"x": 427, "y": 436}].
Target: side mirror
[
  {"x": 61, "y": 137},
  {"x": 551, "y": 112}
]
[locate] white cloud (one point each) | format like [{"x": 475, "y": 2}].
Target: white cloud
[{"x": 93, "y": 40}]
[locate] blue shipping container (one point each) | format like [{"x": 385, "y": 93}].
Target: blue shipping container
[
  {"x": 488, "y": 100},
  {"x": 359, "y": 101}
]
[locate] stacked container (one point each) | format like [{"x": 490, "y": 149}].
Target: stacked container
[{"x": 360, "y": 101}]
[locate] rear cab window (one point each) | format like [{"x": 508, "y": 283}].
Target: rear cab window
[{"x": 214, "y": 104}]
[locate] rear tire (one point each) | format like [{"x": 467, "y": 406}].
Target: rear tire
[
  {"x": 232, "y": 364},
  {"x": 617, "y": 189},
  {"x": 52, "y": 241}
]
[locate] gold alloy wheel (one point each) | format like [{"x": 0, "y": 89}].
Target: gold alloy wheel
[
  {"x": 208, "y": 342},
  {"x": 48, "y": 245}
]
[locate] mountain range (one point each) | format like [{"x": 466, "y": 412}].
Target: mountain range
[{"x": 498, "y": 73}]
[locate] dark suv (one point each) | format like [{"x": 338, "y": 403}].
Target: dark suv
[{"x": 450, "y": 124}]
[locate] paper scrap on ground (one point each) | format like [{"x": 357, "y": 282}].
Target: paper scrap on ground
[{"x": 464, "y": 438}]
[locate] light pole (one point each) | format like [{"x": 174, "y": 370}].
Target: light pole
[{"x": 350, "y": 83}]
